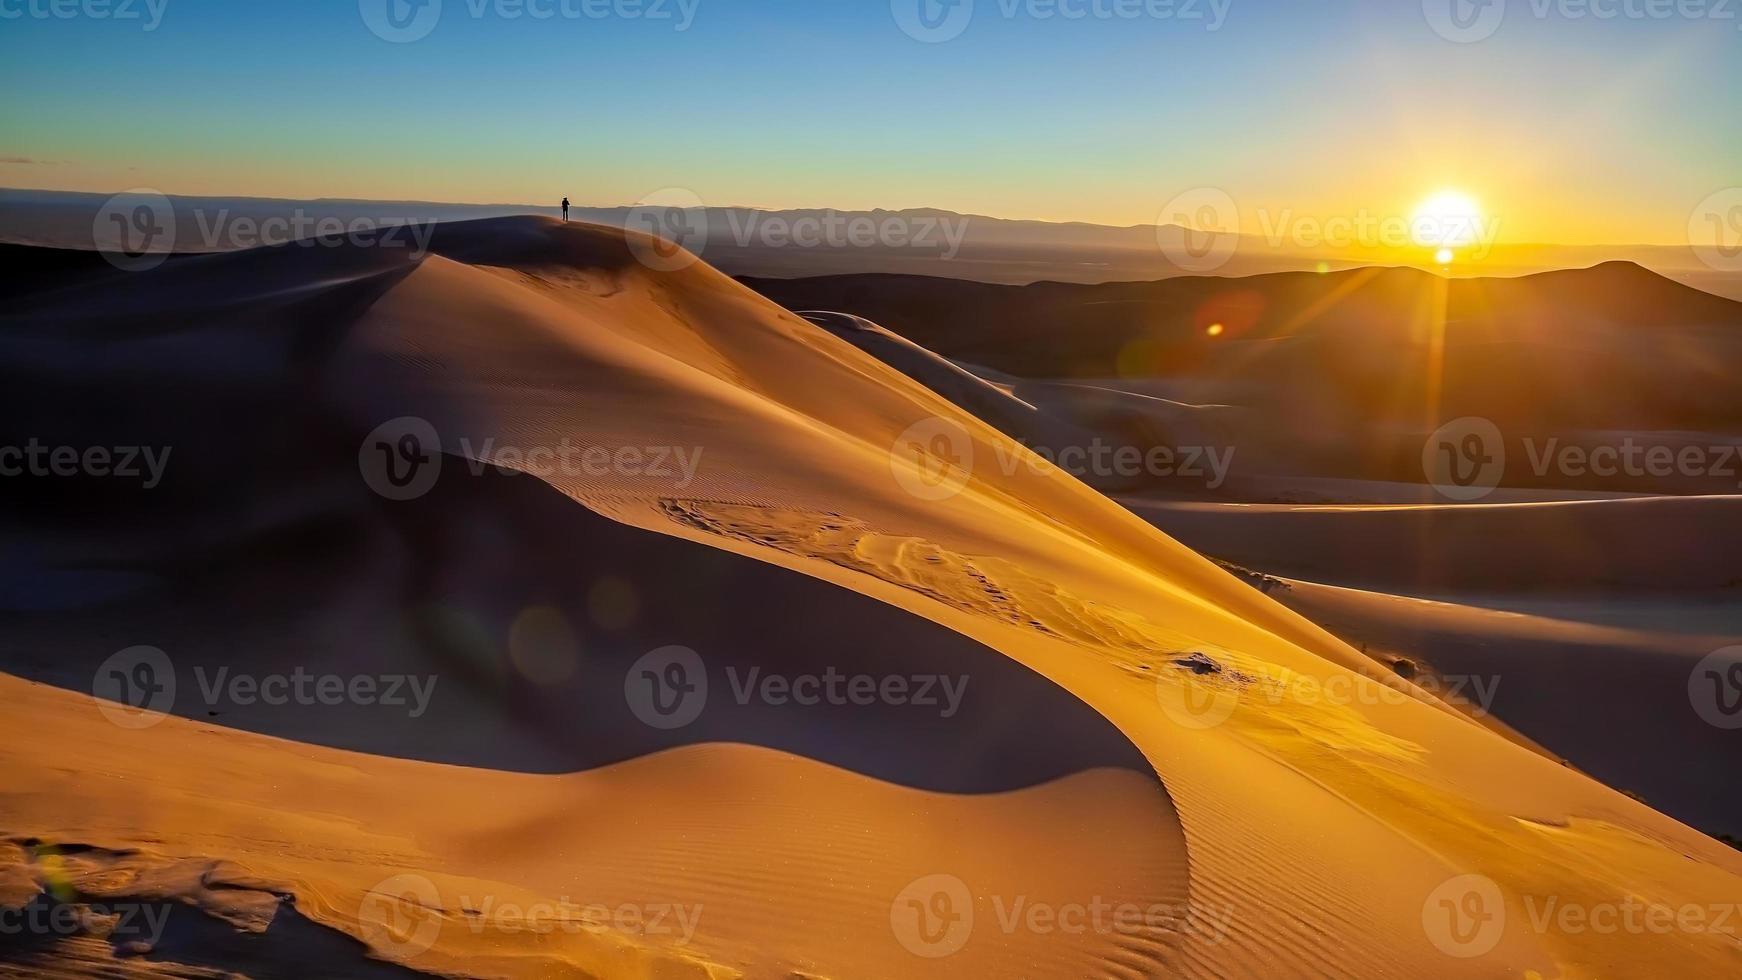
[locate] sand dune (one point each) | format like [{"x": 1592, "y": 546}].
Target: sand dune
[
  {"x": 1344, "y": 375},
  {"x": 1629, "y": 723},
  {"x": 1150, "y": 737},
  {"x": 1644, "y": 544},
  {"x": 1618, "y": 600}
]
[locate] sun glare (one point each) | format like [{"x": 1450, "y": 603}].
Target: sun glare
[{"x": 1447, "y": 220}]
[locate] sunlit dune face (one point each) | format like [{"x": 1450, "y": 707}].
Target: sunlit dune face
[{"x": 1447, "y": 220}]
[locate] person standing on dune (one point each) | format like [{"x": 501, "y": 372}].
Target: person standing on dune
[{"x": 565, "y": 210}]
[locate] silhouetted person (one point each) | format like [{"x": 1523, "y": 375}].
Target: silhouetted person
[{"x": 565, "y": 209}]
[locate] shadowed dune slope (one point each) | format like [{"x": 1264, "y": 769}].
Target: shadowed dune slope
[
  {"x": 1612, "y": 347},
  {"x": 1650, "y": 544}
]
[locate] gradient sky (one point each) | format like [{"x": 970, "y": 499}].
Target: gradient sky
[{"x": 1567, "y": 130}]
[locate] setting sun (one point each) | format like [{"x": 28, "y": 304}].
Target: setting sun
[{"x": 1446, "y": 220}]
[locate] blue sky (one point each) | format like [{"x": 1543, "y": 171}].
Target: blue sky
[{"x": 1579, "y": 128}]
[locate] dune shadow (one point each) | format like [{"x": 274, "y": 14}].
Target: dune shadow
[{"x": 496, "y": 623}]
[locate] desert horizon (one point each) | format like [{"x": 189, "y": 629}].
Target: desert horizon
[{"x": 1306, "y": 549}]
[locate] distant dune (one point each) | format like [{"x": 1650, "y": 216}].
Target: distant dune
[
  {"x": 1139, "y": 730},
  {"x": 1346, "y": 374}
]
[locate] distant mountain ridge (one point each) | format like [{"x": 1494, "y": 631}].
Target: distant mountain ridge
[{"x": 804, "y": 242}]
